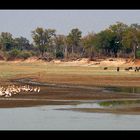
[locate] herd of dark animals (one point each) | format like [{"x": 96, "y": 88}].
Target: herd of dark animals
[{"x": 136, "y": 69}]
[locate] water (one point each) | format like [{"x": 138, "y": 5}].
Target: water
[
  {"x": 49, "y": 118},
  {"x": 56, "y": 117}
]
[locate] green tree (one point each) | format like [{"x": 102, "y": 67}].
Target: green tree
[
  {"x": 116, "y": 43},
  {"x": 104, "y": 41},
  {"x": 74, "y": 38},
  {"x": 59, "y": 45},
  {"x": 110, "y": 40},
  {"x": 42, "y": 38},
  {"x": 135, "y": 26},
  {"x": 6, "y": 41},
  {"x": 22, "y": 43},
  {"x": 131, "y": 39},
  {"x": 89, "y": 44},
  {"x": 118, "y": 28}
]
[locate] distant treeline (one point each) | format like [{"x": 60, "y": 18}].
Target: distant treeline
[{"x": 119, "y": 40}]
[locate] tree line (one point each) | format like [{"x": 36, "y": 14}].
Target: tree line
[{"x": 118, "y": 40}]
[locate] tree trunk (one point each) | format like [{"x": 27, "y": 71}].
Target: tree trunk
[
  {"x": 134, "y": 49},
  {"x": 115, "y": 55},
  {"x": 55, "y": 52},
  {"x": 91, "y": 54},
  {"x": 66, "y": 51},
  {"x": 72, "y": 49},
  {"x": 42, "y": 53}
]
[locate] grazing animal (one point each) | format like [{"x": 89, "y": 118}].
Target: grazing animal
[
  {"x": 137, "y": 69},
  {"x": 127, "y": 69},
  {"x": 130, "y": 68},
  {"x": 105, "y": 68},
  {"x": 118, "y": 69}
]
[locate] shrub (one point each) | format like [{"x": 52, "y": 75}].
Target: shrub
[
  {"x": 2, "y": 55},
  {"x": 59, "y": 55},
  {"x": 74, "y": 56},
  {"x": 24, "y": 54},
  {"x": 33, "y": 53},
  {"x": 138, "y": 54},
  {"x": 13, "y": 54}
]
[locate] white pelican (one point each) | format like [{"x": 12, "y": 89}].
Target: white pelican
[{"x": 38, "y": 89}]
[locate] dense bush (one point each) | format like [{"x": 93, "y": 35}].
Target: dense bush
[
  {"x": 13, "y": 54},
  {"x": 24, "y": 54},
  {"x": 59, "y": 55},
  {"x": 33, "y": 53},
  {"x": 138, "y": 54},
  {"x": 74, "y": 56},
  {"x": 2, "y": 55}
]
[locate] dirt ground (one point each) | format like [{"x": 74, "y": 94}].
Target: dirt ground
[
  {"x": 75, "y": 73},
  {"x": 84, "y": 62},
  {"x": 61, "y": 96},
  {"x": 99, "y": 62}
]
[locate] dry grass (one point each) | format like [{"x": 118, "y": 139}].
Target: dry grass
[{"x": 54, "y": 73}]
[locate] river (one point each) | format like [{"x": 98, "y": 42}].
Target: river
[{"x": 51, "y": 118}]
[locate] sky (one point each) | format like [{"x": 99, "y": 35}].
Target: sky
[{"x": 22, "y": 22}]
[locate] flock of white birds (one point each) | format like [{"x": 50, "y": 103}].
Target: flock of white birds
[{"x": 12, "y": 89}]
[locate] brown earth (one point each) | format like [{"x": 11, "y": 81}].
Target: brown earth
[
  {"x": 83, "y": 62},
  {"x": 71, "y": 95},
  {"x": 61, "y": 96}
]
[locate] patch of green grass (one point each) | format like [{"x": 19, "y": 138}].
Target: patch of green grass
[{"x": 116, "y": 103}]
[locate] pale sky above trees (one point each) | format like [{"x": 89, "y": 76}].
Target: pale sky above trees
[{"x": 22, "y": 22}]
